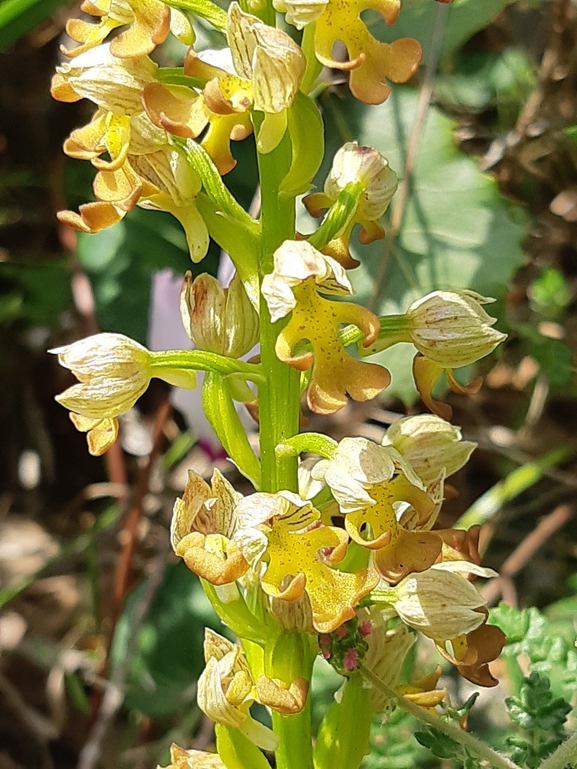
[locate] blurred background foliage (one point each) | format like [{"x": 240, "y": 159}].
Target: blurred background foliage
[{"x": 484, "y": 140}]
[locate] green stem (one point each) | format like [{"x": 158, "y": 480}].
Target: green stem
[
  {"x": 472, "y": 744},
  {"x": 315, "y": 443},
  {"x": 239, "y": 243},
  {"x": 201, "y": 360},
  {"x": 215, "y": 188},
  {"x": 394, "y": 329},
  {"x": 222, "y": 415},
  {"x": 279, "y": 410},
  {"x": 314, "y": 67},
  {"x": 340, "y": 745},
  {"x": 237, "y": 616},
  {"x": 176, "y": 76},
  {"x": 205, "y": 9},
  {"x": 289, "y": 658},
  {"x": 338, "y": 216},
  {"x": 236, "y": 751},
  {"x": 565, "y": 754},
  {"x": 280, "y": 394}
]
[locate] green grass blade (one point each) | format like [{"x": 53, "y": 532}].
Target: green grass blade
[
  {"x": 514, "y": 484},
  {"x": 17, "y": 17}
]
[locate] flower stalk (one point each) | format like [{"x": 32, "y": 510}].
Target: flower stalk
[{"x": 335, "y": 550}]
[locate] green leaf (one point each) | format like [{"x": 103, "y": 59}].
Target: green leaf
[
  {"x": 550, "y": 293},
  {"x": 555, "y": 359},
  {"x": 481, "y": 80},
  {"x": 393, "y": 743},
  {"x": 549, "y": 645},
  {"x": 17, "y": 17},
  {"x": 539, "y": 714},
  {"x": 40, "y": 292},
  {"x": 205, "y": 9},
  {"x": 457, "y": 231},
  {"x": 305, "y": 127}
]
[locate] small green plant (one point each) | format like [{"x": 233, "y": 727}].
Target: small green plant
[{"x": 541, "y": 717}]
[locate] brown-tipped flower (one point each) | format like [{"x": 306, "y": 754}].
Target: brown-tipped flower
[
  {"x": 440, "y": 603},
  {"x": 199, "y": 759},
  {"x": 220, "y": 320},
  {"x": 367, "y": 167},
  {"x": 113, "y": 372},
  {"x": 430, "y": 445},
  {"x": 451, "y": 328}
]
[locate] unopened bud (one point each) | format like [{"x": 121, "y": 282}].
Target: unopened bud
[
  {"x": 430, "y": 445},
  {"x": 440, "y": 603},
  {"x": 368, "y": 167},
  {"x": 113, "y": 372},
  {"x": 301, "y": 12},
  {"x": 220, "y": 320},
  {"x": 268, "y": 57},
  {"x": 451, "y": 328}
]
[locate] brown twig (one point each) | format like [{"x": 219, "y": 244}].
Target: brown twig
[
  {"x": 123, "y": 577},
  {"x": 114, "y": 691},
  {"x": 523, "y": 553}
]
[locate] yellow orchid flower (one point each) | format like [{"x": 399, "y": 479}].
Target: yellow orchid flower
[
  {"x": 300, "y": 272},
  {"x": 371, "y": 63},
  {"x": 300, "y": 554},
  {"x": 141, "y": 167},
  {"x": 369, "y": 482},
  {"x": 202, "y": 529},
  {"x": 148, "y": 22}
]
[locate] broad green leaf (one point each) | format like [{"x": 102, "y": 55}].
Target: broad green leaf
[
  {"x": 40, "y": 292},
  {"x": 17, "y": 17},
  {"x": 457, "y": 230},
  {"x": 481, "y": 80}
]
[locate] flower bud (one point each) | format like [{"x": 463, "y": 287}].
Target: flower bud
[
  {"x": 220, "y": 320},
  {"x": 440, "y": 603},
  {"x": 113, "y": 371},
  {"x": 111, "y": 83},
  {"x": 430, "y": 445},
  {"x": 301, "y": 12},
  {"x": 451, "y": 328},
  {"x": 268, "y": 57},
  {"x": 369, "y": 168}
]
